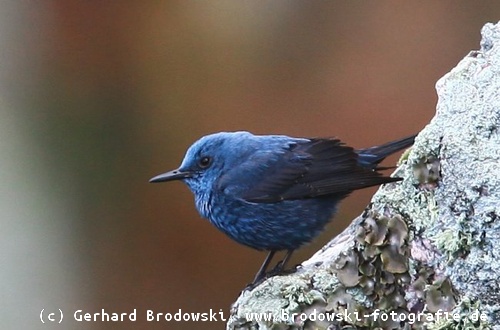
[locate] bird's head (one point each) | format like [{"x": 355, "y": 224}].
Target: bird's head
[{"x": 209, "y": 158}]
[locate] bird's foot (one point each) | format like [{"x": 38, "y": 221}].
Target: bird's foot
[
  {"x": 262, "y": 274},
  {"x": 276, "y": 271},
  {"x": 279, "y": 270}
]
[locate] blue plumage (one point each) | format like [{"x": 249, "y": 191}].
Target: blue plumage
[{"x": 274, "y": 192}]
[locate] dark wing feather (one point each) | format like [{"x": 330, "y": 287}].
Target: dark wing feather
[{"x": 305, "y": 169}]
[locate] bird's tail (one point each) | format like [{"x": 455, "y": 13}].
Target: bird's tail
[{"x": 371, "y": 157}]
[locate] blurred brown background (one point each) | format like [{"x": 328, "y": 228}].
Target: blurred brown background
[{"x": 96, "y": 98}]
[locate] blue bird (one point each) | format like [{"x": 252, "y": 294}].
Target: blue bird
[{"x": 275, "y": 192}]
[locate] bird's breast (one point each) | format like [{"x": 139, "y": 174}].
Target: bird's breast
[
  {"x": 221, "y": 210},
  {"x": 268, "y": 226}
]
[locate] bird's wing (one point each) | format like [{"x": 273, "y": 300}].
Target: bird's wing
[{"x": 304, "y": 169}]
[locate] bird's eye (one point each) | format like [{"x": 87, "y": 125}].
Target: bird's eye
[{"x": 204, "y": 162}]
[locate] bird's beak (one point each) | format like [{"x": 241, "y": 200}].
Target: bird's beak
[{"x": 170, "y": 176}]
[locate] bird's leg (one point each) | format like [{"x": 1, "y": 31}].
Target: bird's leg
[
  {"x": 280, "y": 266},
  {"x": 262, "y": 271},
  {"x": 287, "y": 257}
]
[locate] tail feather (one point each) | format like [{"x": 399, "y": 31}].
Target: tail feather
[{"x": 372, "y": 156}]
